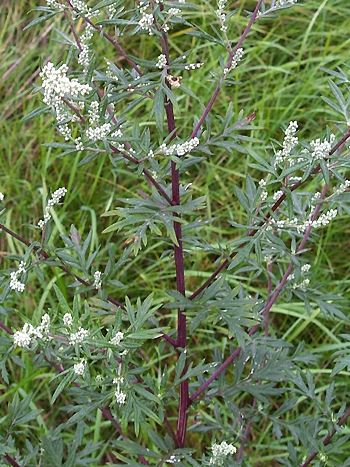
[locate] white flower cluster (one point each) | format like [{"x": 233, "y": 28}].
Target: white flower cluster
[
  {"x": 146, "y": 21},
  {"x": 117, "y": 133},
  {"x": 289, "y": 143},
  {"x": 161, "y": 63},
  {"x": 29, "y": 333},
  {"x": 82, "y": 8},
  {"x": 56, "y": 87},
  {"x": 293, "y": 180},
  {"x": 321, "y": 149},
  {"x": 15, "y": 283},
  {"x": 99, "y": 133},
  {"x": 277, "y": 195},
  {"x": 55, "y": 5},
  {"x": 174, "y": 81},
  {"x": 55, "y": 199},
  {"x": 303, "y": 285},
  {"x": 220, "y": 13},
  {"x": 120, "y": 396},
  {"x": 322, "y": 221},
  {"x": 220, "y": 452},
  {"x": 264, "y": 194},
  {"x": 2, "y": 196},
  {"x": 180, "y": 149},
  {"x": 85, "y": 53},
  {"x": 68, "y": 320},
  {"x": 79, "y": 336},
  {"x": 110, "y": 71},
  {"x": 42, "y": 331},
  {"x": 65, "y": 131},
  {"x": 174, "y": 11},
  {"x": 316, "y": 197},
  {"x": 79, "y": 368},
  {"x": 281, "y": 3},
  {"x": 305, "y": 282},
  {"x": 111, "y": 11},
  {"x": 23, "y": 338},
  {"x": 79, "y": 145},
  {"x": 97, "y": 280},
  {"x": 235, "y": 61},
  {"x": 305, "y": 268},
  {"x": 94, "y": 113},
  {"x": 173, "y": 459},
  {"x": 170, "y": 13},
  {"x": 96, "y": 132},
  {"x": 342, "y": 187},
  {"x": 193, "y": 66},
  {"x": 116, "y": 340}
]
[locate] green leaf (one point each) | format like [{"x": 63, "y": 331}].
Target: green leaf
[
  {"x": 62, "y": 301},
  {"x": 67, "y": 379}
]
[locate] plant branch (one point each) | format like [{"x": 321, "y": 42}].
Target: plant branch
[
  {"x": 109, "y": 38},
  {"x": 66, "y": 269},
  {"x": 225, "y": 263},
  {"x": 11, "y": 460},
  {"x": 126, "y": 156},
  {"x": 59, "y": 368},
  {"x": 62, "y": 266},
  {"x": 272, "y": 298},
  {"x": 269, "y": 291},
  {"x": 246, "y": 436},
  {"x": 327, "y": 440},
  {"x": 228, "y": 65},
  {"x": 146, "y": 173}
]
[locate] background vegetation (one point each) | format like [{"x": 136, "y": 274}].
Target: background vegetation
[{"x": 282, "y": 79}]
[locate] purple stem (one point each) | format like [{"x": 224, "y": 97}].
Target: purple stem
[
  {"x": 269, "y": 291},
  {"x": 11, "y": 460},
  {"x": 178, "y": 255},
  {"x": 6, "y": 328}
]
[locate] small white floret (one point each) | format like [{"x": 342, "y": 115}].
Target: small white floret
[
  {"x": 97, "y": 280},
  {"x": 79, "y": 368},
  {"x": 15, "y": 283},
  {"x": 78, "y": 337},
  {"x": 68, "y": 320},
  {"x": 120, "y": 397},
  {"x": 221, "y": 452},
  {"x": 116, "y": 340}
]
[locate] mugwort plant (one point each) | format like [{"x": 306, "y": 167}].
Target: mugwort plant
[{"x": 188, "y": 373}]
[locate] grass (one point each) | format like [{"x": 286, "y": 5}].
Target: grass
[{"x": 282, "y": 79}]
